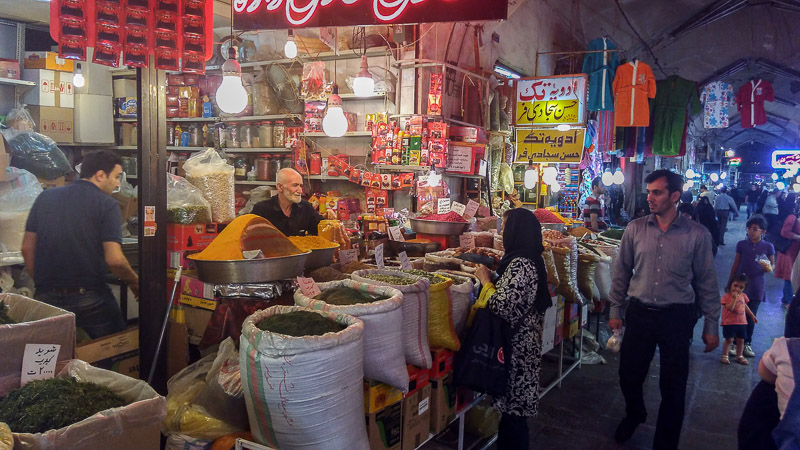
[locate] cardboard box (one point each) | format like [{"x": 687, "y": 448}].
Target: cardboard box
[
  {"x": 97, "y": 77},
  {"x": 47, "y": 60},
  {"x": 52, "y": 88},
  {"x": 570, "y": 312},
  {"x": 9, "y": 68},
  {"x": 118, "y": 352},
  {"x": 56, "y": 123},
  {"x": 442, "y": 362},
  {"x": 5, "y": 160},
  {"x": 418, "y": 378},
  {"x": 94, "y": 120},
  {"x": 416, "y": 418},
  {"x": 196, "y": 322},
  {"x": 128, "y": 206},
  {"x": 549, "y": 328},
  {"x": 379, "y": 395},
  {"x": 190, "y": 237},
  {"x": 44, "y": 324},
  {"x": 179, "y": 259},
  {"x": 443, "y": 403},
  {"x": 385, "y": 428},
  {"x": 177, "y": 348},
  {"x": 124, "y": 87},
  {"x": 196, "y": 288},
  {"x": 571, "y": 329}
]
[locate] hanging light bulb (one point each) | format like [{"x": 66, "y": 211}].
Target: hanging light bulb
[
  {"x": 77, "y": 79},
  {"x": 714, "y": 177},
  {"x": 563, "y": 127},
  {"x": 690, "y": 173},
  {"x": 796, "y": 187},
  {"x": 780, "y": 185},
  {"x": 231, "y": 95},
  {"x": 531, "y": 177},
  {"x": 797, "y": 179},
  {"x": 723, "y": 175},
  {"x": 549, "y": 175},
  {"x": 555, "y": 187},
  {"x": 688, "y": 185},
  {"x": 290, "y": 49},
  {"x": 607, "y": 178},
  {"x": 335, "y": 123},
  {"x": 363, "y": 84},
  {"x": 774, "y": 177},
  {"x": 619, "y": 177}
]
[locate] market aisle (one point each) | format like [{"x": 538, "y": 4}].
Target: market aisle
[{"x": 584, "y": 413}]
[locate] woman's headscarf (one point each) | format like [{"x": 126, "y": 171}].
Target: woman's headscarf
[
  {"x": 522, "y": 238},
  {"x": 706, "y": 216},
  {"x": 787, "y": 207}
]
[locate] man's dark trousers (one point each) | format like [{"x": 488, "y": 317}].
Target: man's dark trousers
[
  {"x": 722, "y": 218},
  {"x": 670, "y": 329}
]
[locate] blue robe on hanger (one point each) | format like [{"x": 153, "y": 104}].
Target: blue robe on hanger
[{"x": 601, "y": 68}]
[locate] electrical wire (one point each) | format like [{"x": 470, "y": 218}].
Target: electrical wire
[{"x": 649, "y": 50}]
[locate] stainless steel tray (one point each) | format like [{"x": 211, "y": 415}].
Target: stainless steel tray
[
  {"x": 320, "y": 257},
  {"x": 250, "y": 270},
  {"x": 437, "y": 227},
  {"x": 414, "y": 248}
]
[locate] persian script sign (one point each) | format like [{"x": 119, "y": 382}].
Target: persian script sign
[
  {"x": 549, "y": 145},
  {"x": 550, "y": 100}
]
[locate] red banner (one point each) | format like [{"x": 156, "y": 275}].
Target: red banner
[{"x": 283, "y": 14}]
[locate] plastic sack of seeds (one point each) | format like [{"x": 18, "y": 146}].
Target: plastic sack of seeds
[
  {"x": 384, "y": 359},
  {"x": 563, "y": 263},
  {"x": 587, "y": 268},
  {"x": 208, "y": 172},
  {"x": 223, "y": 396},
  {"x": 602, "y": 277},
  {"x": 550, "y": 265},
  {"x": 304, "y": 392},
  {"x": 416, "y": 298},
  {"x": 185, "y": 203}
]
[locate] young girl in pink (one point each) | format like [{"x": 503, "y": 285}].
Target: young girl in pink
[{"x": 734, "y": 320}]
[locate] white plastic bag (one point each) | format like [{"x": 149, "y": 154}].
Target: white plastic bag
[
  {"x": 304, "y": 392},
  {"x": 16, "y": 199},
  {"x": 185, "y": 203},
  {"x": 416, "y": 298},
  {"x": 210, "y": 173},
  {"x": 384, "y": 359}
]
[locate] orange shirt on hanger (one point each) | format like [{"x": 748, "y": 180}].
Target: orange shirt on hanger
[{"x": 634, "y": 83}]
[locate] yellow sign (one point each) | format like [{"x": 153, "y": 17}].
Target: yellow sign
[
  {"x": 548, "y": 112},
  {"x": 550, "y": 145}
]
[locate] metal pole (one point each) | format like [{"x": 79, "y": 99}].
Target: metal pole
[{"x": 153, "y": 365}]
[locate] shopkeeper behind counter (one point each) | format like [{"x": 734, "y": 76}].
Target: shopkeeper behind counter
[{"x": 290, "y": 214}]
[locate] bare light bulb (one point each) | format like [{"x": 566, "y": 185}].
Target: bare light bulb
[
  {"x": 531, "y": 178},
  {"x": 690, "y": 173},
  {"x": 231, "y": 96},
  {"x": 723, "y": 175},
  {"x": 555, "y": 187},
  {"x": 607, "y": 178},
  {"x": 77, "y": 79},
  {"x": 774, "y": 177},
  {"x": 619, "y": 177},
  {"x": 563, "y": 127},
  {"x": 714, "y": 177},
  {"x": 363, "y": 84},
  {"x": 780, "y": 185},
  {"x": 290, "y": 48},
  {"x": 335, "y": 123}
]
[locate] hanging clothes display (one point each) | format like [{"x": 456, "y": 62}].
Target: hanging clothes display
[
  {"x": 634, "y": 83},
  {"x": 669, "y": 113},
  {"x": 601, "y": 68},
  {"x": 605, "y": 132},
  {"x": 750, "y": 101},
  {"x": 717, "y": 97}
]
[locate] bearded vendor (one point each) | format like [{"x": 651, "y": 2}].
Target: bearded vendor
[{"x": 287, "y": 211}]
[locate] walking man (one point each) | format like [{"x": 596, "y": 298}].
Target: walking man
[
  {"x": 663, "y": 273},
  {"x": 751, "y": 198},
  {"x": 723, "y": 206}
]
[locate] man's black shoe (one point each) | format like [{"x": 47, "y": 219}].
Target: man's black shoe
[{"x": 625, "y": 430}]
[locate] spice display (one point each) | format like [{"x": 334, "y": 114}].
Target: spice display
[
  {"x": 432, "y": 277},
  {"x": 355, "y": 266},
  {"x": 279, "y": 134},
  {"x": 546, "y": 216},
  {"x": 325, "y": 274},
  {"x": 452, "y": 216},
  {"x": 420, "y": 241},
  {"x": 253, "y": 230},
  {"x": 391, "y": 279},
  {"x": 299, "y": 323},
  {"x": 189, "y": 214},
  {"x": 43, "y": 405},
  {"x": 307, "y": 243},
  {"x": 553, "y": 235},
  {"x": 584, "y": 247},
  {"x": 341, "y": 295},
  {"x": 5, "y": 319}
]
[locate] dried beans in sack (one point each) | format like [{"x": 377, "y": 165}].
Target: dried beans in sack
[
  {"x": 304, "y": 392},
  {"x": 550, "y": 265},
  {"x": 383, "y": 328}
]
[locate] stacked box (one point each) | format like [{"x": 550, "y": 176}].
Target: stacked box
[
  {"x": 416, "y": 418},
  {"x": 443, "y": 403}
]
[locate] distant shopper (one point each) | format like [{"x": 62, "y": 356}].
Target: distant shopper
[
  {"x": 783, "y": 268},
  {"x": 593, "y": 208},
  {"x": 687, "y": 196},
  {"x": 751, "y": 199},
  {"x": 734, "y": 319},
  {"x": 663, "y": 274},
  {"x": 723, "y": 205},
  {"x": 72, "y": 238},
  {"x": 749, "y": 261},
  {"x": 686, "y": 210},
  {"x": 770, "y": 209},
  {"x": 704, "y": 213},
  {"x": 704, "y": 192}
]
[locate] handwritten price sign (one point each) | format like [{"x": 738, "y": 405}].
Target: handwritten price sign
[
  {"x": 443, "y": 206},
  {"x": 39, "y": 362},
  {"x": 379, "y": 256},
  {"x": 471, "y": 209},
  {"x": 396, "y": 235},
  {"x": 466, "y": 241},
  {"x": 459, "y": 208},
  {"x": 308, "y": 287},
  {"x": 404, "y": 261},
  {"x": 348, "y": 256}
]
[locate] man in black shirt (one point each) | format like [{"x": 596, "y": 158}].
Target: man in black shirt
[
  {"x": 290, "y": 214},
  {"x": 72, "y": 238}
]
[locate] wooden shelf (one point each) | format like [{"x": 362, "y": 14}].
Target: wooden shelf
[
  {"x": 125, "y": 119},
  {"x": 255, "y": 183},
  {"x": 185, "y": 149},
  {"x": 124, "y": 147},
  {"x": 349, "y": 134},
  {"x": 256, "y": 150},
  {"x": 327, "y": 178},
  {"x": 193, "y": 119},
  {"x": 122, "y": 73},
  {"x": 20, "y": 83}
]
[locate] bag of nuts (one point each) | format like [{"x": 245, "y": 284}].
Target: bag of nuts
[{"x": 210, "y": 173}]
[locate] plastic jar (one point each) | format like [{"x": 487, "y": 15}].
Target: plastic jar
[
  {"x": 279, "y": 134},
  {"x": 274, "y": 167},
  {"x": 265, "y": 134},
  {"x": 241, "y": 166},
  {"x": 245, "y": 135},
  {"x": 262, "y": 168},
  {"x": 195, "y": 136},
  {"x": 286, "y": 162},
  {"x": 233, "y": 138}
]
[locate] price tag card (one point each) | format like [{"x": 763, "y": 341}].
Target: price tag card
[
  {"x": 471, "y": 209},
  {"x": 379, "y": 256},
  {"x": 405, "y": 264},
  {"x": 483, "y": 211},
  {"x": 466, "y": 241},
  {"x": 348, "y": 256},
  {"x": 39, "y": 362},
  {"x": 396, "y": 235},
  {"x": 308, "y": 287},
  {"x": 443, "y": 206},
  {"x": 458, "y": 208}
]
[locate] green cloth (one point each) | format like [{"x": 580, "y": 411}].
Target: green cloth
[{"x": 669, "y": 109}]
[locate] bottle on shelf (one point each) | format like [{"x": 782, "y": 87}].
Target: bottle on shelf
[
  {"x": 251, "y": 174},
  {"x": 240, "y": 166},
  {"x": 274, "y": 167},
  {"x": 170, "y": 134},
  {"x": 195, "y": 138},
  {"x": 177, "y": 139},
  {"x": 279, "y": 134},
  {"x": 245, "y": 135},
  {"x": 265, "y": 134},
  {"x": 263, "y": 167}
]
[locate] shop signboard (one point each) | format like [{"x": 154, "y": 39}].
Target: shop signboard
[
  {"x": 251, "y": 15},
  {"x": 550, "y": 101},
  {"x": 549, "y": 145},
  {"x": 785, "y": 159}
]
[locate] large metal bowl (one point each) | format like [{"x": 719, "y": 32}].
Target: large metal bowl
[
  {"x": 250, "y": 270},
  {"x": 555, "y": 226},
  {"x": 437, "y": 227},
  {"x": 320, "y": 257},
  {"x": 415, "y": 248}
]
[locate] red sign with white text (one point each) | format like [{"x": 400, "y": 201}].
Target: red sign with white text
[{"x": 283, "y": 14}]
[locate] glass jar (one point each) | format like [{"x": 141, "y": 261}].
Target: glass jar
[
  {"x": 135, "y": 134},
  {"x": 286, "y": 162},
  {"x": 245, "y": 135},
  {"x": 262, "y": 168},
  {"x": 274, "y": 167},
  {"x": 240, "y": 165},
  {"x": 265, "y": 134},
  {"x": 279, "y": 134},
  {"x": 170, "y": 134},
  {"x": 234, "y": 139},
  {"x": 195, "y": 136}
]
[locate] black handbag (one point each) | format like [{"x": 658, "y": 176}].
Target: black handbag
[
  {"x": 480, "y": 365},
  {"x": 780, "y": 243}
]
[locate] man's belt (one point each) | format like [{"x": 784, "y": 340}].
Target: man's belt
[{"x": 69, "y": 291}]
